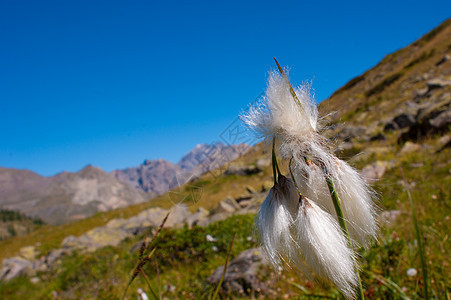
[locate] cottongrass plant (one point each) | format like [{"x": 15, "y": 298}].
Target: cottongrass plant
[{"x": 303, "y": 223}]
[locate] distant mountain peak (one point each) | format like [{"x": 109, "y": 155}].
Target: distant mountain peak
[{"x": 158, "y": 176}]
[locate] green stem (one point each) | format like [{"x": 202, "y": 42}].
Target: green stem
[
  {"x": 225, "y": 269},
  {"x": 419, "y": 238},
  {"x": 344, "y": 227},
  {"x": 275, "y": 166},
  {"x": 149, "y": 285},
  {"x": 293, "y": 93}
]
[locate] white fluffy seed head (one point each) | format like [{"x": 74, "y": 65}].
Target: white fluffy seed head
[
  {"x": 357, "y": 203},
  {"x": 324, "y": 247},
  {"x": 356, "y": 197},
  {"x": 279, "y": 114},
  {"x": 274, "y": 220}
]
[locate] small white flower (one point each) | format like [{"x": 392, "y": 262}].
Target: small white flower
[
  {"x": 274, "y": 220},
  {"x": 210, "y": 238},
  {"x": 412, "y": 272},
  {"x": 324, "y": 247}
]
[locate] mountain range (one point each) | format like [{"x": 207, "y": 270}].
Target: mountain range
[
  {"x": 71, "y": 196},
  {"x": 160, "y": 176}
]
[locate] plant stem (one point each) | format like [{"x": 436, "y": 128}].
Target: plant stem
[
  {"x": 344, "y": 228},
  {"x": 148, "y": 284},
  {"x": 419, "y": 238},
  {"x": 293, "y": 93},
  {"x": 275, "y": 166},
  {"x": 225, "y": 269}
]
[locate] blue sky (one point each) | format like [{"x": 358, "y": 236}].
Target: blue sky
[{"x": 111, "y": 83}]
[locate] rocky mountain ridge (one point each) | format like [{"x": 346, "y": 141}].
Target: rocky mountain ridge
[{"x": 160, "y": 176}]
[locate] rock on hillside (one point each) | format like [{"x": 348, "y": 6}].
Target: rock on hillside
[
  {"x": 65, "y": 196},
  {"x": 160, "y": 176}
]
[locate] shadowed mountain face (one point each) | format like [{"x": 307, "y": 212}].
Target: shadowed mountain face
[
  {"x": 159, "y": 176},
  {"x": 65, "y": 196}
]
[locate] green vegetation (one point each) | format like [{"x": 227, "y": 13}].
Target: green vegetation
[{"x": 9, "y": 215}]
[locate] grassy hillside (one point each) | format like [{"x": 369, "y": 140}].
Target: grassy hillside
[{"x": 370, "y": 101}]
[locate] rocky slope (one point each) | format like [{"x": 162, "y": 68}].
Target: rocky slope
[
  {"x": 160, "y": 176},
  {"x": 66, "y": 196}
]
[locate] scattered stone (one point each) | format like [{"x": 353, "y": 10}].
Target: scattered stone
[
  {"x": 28, "y": 252},
  {"x": 442, "y": 120},
  {"x": 116, "y": 223},
  {"x": 263, "y": 163},
  {"x": 420, "y": 93},
  {"x": 53, "y": 256},
  {"x": 389, "y": 217},
  {"x": 437, "y": 83},
  {"x": 177, "y": 217},
  {"x": 410, "y": 147},
  {"x": 228, "y": 205},
  {"x": 70, "y": 242},
  {"x": 445, "y": 58},
  {"x": 100, "y": 237},
  {"x": 404, "y": 120},
  {"x": 374, "y": 171},
  {"x": 35, "y": 280},
  {"x": 216, "y": 217},
  {"x": 200, "y": 215},
  {"x": 244, "y": 273},
  {"x": 14, "y": 267}
]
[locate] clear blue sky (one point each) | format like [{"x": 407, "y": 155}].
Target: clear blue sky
[{"x": 111, "y": 83}]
